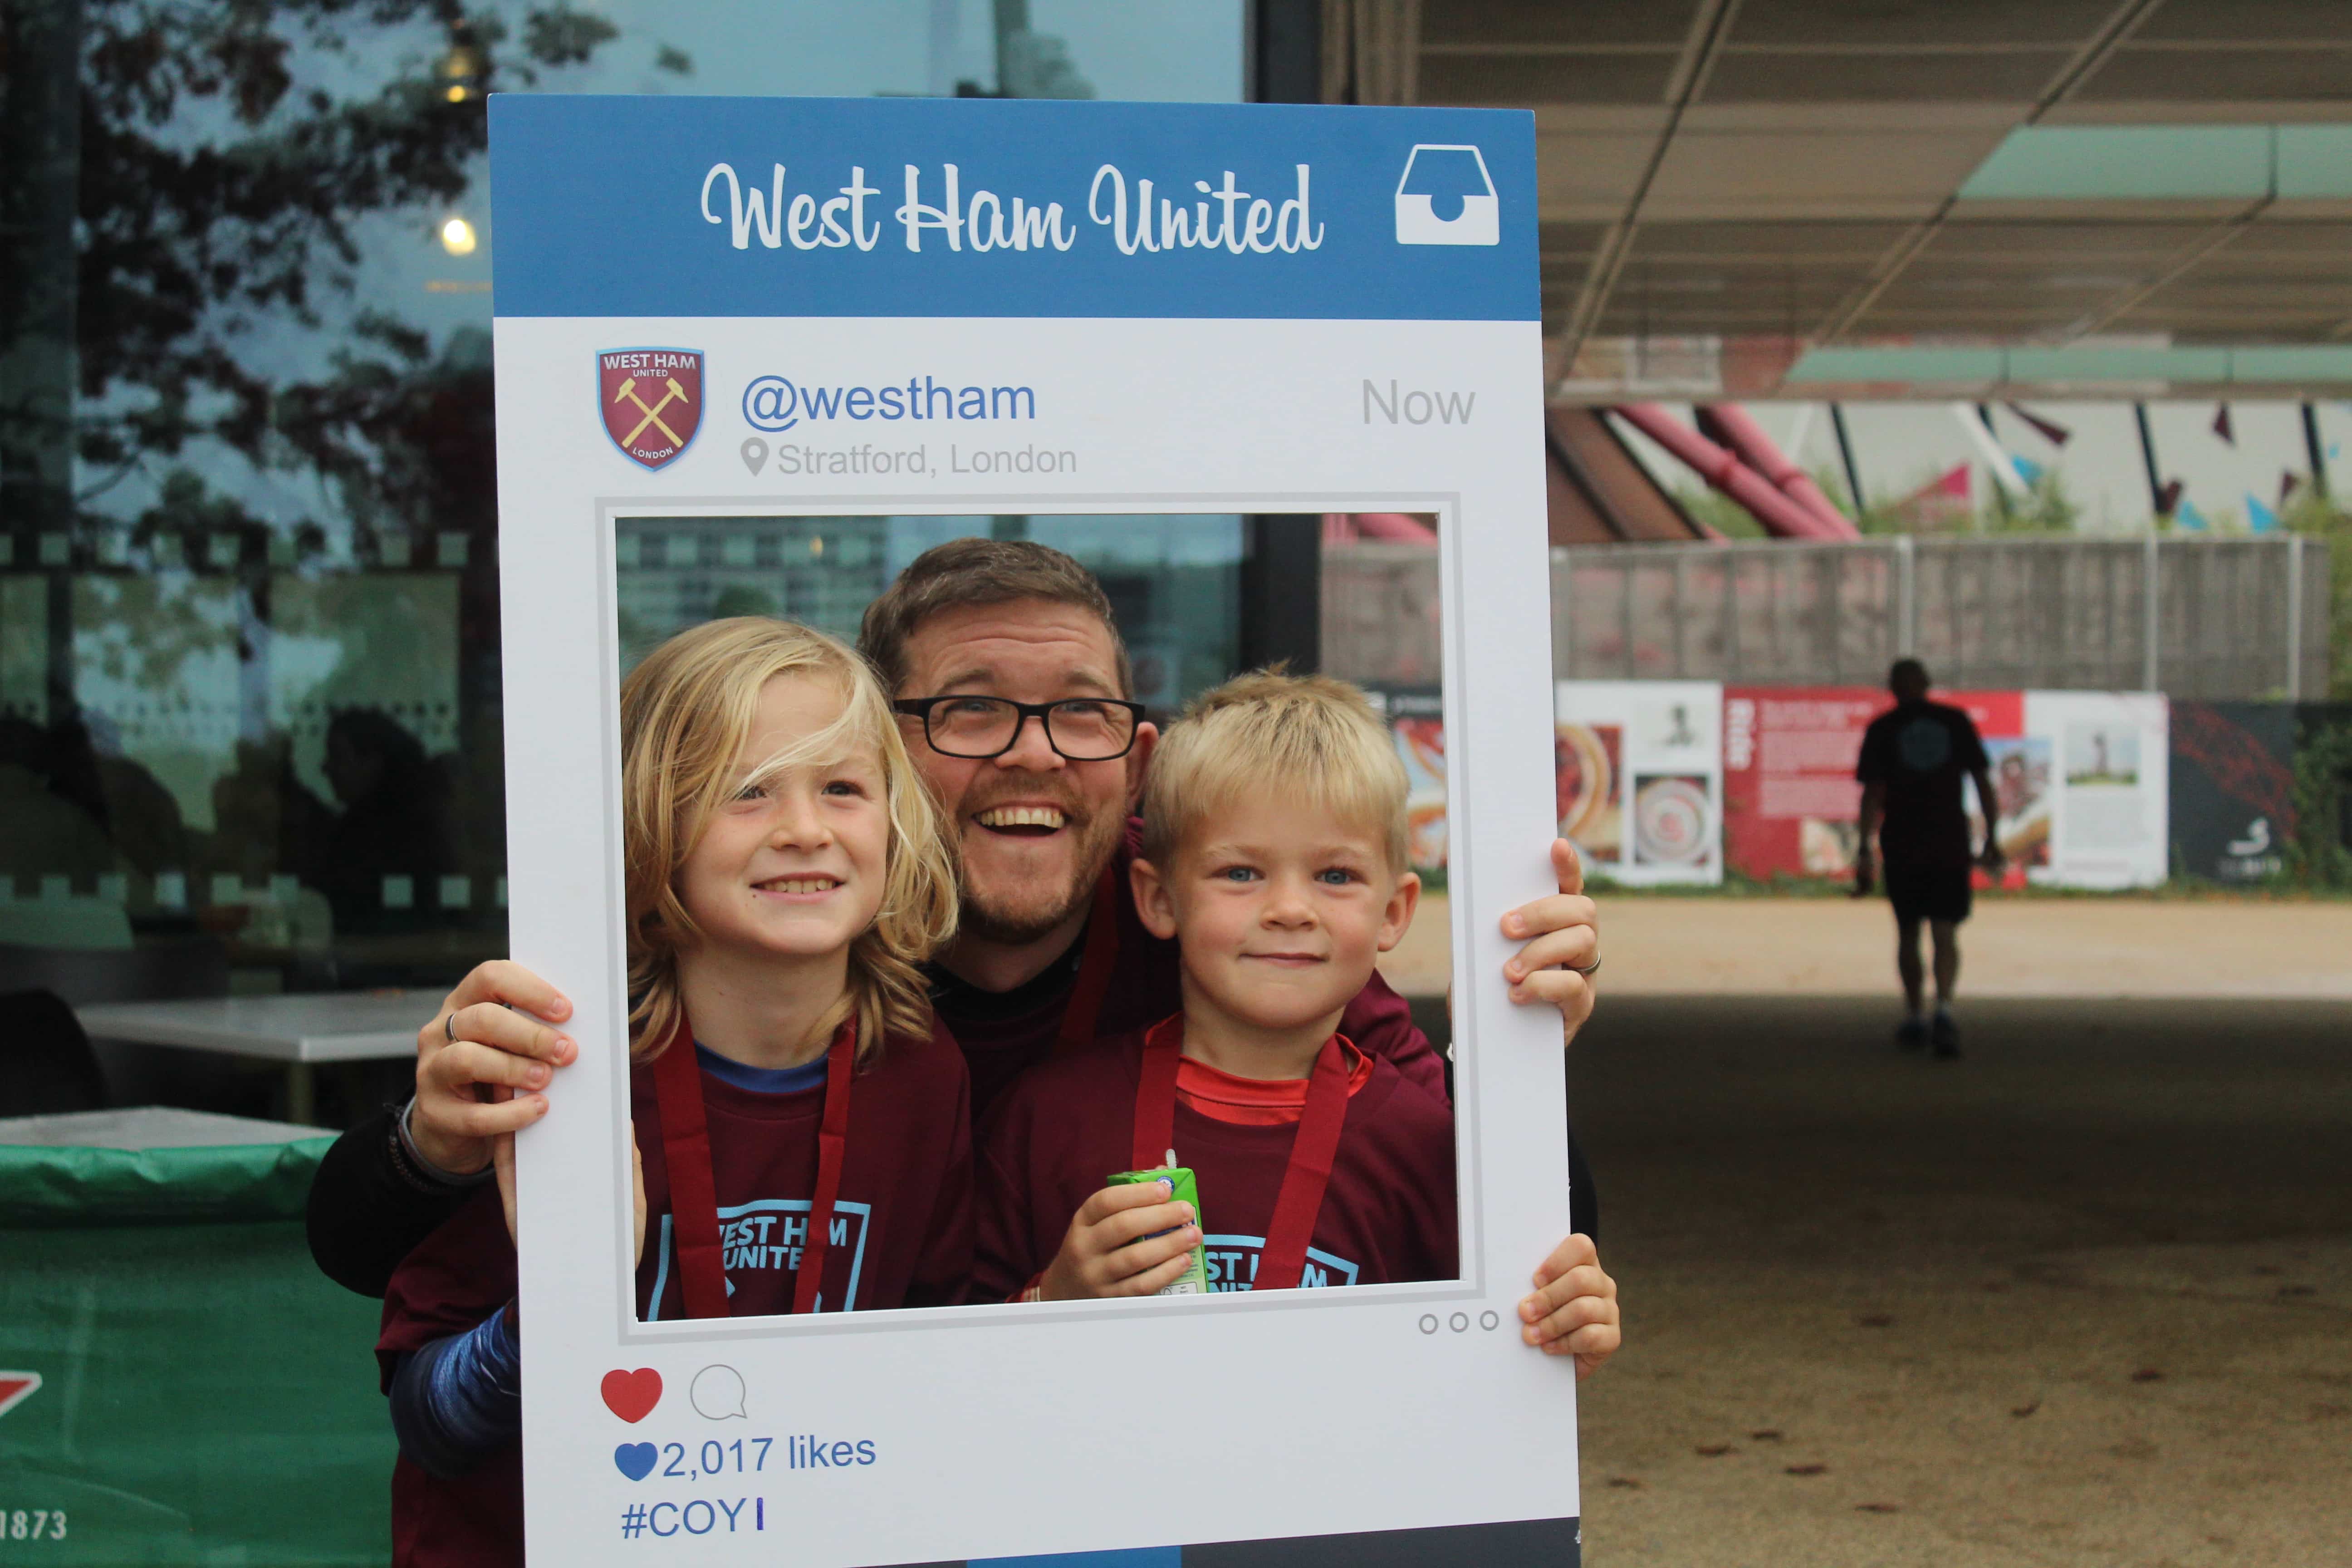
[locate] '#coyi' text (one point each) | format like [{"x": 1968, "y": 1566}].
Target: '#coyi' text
[{"x": 960, "y": 215}]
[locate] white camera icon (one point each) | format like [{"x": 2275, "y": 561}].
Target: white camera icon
[{"x": 1434, "y": 171}]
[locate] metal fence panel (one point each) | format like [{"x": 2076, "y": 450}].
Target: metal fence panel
[
  {"x": 2315, "y": 618},
  {"x": 2245, "y": 618},
  {"x": 1381, "y": 613}
]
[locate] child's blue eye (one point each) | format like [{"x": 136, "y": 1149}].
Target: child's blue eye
[
  {"x": 1238, "y": 873},
  {"x": 1336, "y": 875}
]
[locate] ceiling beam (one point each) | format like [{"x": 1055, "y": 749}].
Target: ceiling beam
[
  {"x": 1702, "y": 45},
  {"x": 2085, "y": 62},
  {"x": 1372, "y": 51},
  {"x": 2182, "y": 261}
]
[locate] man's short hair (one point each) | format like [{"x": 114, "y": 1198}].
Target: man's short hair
[
  {"x": 1299, "y": 737},
  {"x": 969, "y": 571},
  {"x": 1905, "y": 672}
]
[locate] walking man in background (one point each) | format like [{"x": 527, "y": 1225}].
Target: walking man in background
[{"x": 1914, "y": 757}]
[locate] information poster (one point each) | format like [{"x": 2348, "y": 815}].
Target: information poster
[
  {"x": 2023, "y": 789},
  {"x": 2110, "y": 755},
  {"x": 2232, "y": 784},
  {"x": 1639, "y": 765},
  {"x": 1416, "y": 720},
  {"x": 2076, "y": 776},
  {"x": 765, "y": 308}
]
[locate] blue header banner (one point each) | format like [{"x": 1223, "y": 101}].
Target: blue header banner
[{"x": 798, "y": 207}]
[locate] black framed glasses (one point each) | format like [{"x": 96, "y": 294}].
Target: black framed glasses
[{"x": 1081, "y": 729}]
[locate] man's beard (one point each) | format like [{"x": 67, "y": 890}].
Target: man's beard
[{"x": 1015, "y": 917}]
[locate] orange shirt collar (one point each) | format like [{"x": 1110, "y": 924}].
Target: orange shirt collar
[{"x": 1252, "y": 1101}]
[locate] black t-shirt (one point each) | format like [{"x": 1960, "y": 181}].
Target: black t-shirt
[{"x": 1922, "y": 752}]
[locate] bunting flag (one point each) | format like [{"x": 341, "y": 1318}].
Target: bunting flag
[
  {"x": 2050, "y": 431},
  {"x": 2289, "y": 482},
  {"x": 2185, "y": 515},
  {"x": 2167, "y": 499},
  {"x": 1953, "y": 483},
  {"x": 2027, "y": 468},
  {"x": 2259, "y": 517},
  {"x": 1943, "y": 501},
  {"x": 2222, "y": 426}
]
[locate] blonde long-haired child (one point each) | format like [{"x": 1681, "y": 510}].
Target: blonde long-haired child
[
  {"x": 693, "y": 715},
  {"x": 786, "y": 876}
]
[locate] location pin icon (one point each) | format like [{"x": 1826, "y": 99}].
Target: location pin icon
[{"x": 755, "y": 452}]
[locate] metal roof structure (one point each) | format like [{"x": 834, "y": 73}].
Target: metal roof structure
[{"x": 1732, "y": 187}]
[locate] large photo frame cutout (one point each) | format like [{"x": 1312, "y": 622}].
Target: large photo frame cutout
[
  {"x": 1390, "y": 367},
  {"x": 755, "y": 554}
]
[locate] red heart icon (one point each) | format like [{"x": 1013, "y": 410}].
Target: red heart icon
[{"x": 632, "y": 1395}]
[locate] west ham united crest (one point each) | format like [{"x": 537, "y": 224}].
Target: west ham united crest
[{"x": 652, "y": 400}]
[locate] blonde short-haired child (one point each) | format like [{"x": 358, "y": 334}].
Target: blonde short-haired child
[
  {"x": 1274, "y": 852},
  {"x": 802, "y": 1125}
]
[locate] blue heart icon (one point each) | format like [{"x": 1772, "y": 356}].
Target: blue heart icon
[{"x": 635, "y": 1459}]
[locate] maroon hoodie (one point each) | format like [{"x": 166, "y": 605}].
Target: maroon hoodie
[{"x": 1005, "y": 1034}]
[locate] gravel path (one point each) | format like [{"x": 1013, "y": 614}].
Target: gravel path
[
  {"x": 2085, "y": 1297},
  {"x": 2110, "y": 946}
]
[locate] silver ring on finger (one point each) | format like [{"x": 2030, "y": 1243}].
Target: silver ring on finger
[
  {"x": 449, "y": 1025},
  {"x": 1588, "y": 971}
]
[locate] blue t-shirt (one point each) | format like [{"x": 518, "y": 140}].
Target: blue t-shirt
[{"x": 759, "y": 1080}]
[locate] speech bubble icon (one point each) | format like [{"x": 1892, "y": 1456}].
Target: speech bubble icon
[
  {"x": 717, "y": 1392},
  {"x": 755, "y": 452}
]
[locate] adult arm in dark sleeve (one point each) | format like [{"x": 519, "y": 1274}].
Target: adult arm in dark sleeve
[
  {"x": 371, "y": 1203},
  {"x": 376, "y": 1194},
  {"x": 1583, "y": 1201},
  {"x": 1380, "y": 1023}
]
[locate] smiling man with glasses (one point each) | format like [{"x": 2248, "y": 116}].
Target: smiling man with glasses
[
  {"x": 1015, "y": 694},
  {"x": 1082, "y": 729}
]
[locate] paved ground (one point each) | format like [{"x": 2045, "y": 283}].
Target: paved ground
[
  {"x": 2015, "y": 947},
  {"x": 2084, "y": 1297}
]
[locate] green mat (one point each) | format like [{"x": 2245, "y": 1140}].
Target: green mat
[{"x": 207, "y": 1396}]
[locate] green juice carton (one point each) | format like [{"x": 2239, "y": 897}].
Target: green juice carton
[{"x": 1194, "y": 1280}]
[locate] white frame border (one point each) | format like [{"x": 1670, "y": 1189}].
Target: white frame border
[{"x": 1470, "y": 1284}]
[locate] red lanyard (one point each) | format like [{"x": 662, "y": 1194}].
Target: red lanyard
[
  {"x": 694, "y": 1192},
  {"x": 1095, "y": 967},
  {"x": 1283, "y": 1259}
]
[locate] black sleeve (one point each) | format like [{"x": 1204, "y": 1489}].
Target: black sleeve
[
  {"x": 1870, "y": 765},
  {"x": 363, "y": 1215},
  {"x": 1583, "y": 1202},
  {"x": 1971, "y": 748}
]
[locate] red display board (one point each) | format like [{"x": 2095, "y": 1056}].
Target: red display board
[{"x": 1791, "y": 804}]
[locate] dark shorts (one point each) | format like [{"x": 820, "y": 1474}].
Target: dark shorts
[{"x": 1933, "y": 891}]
